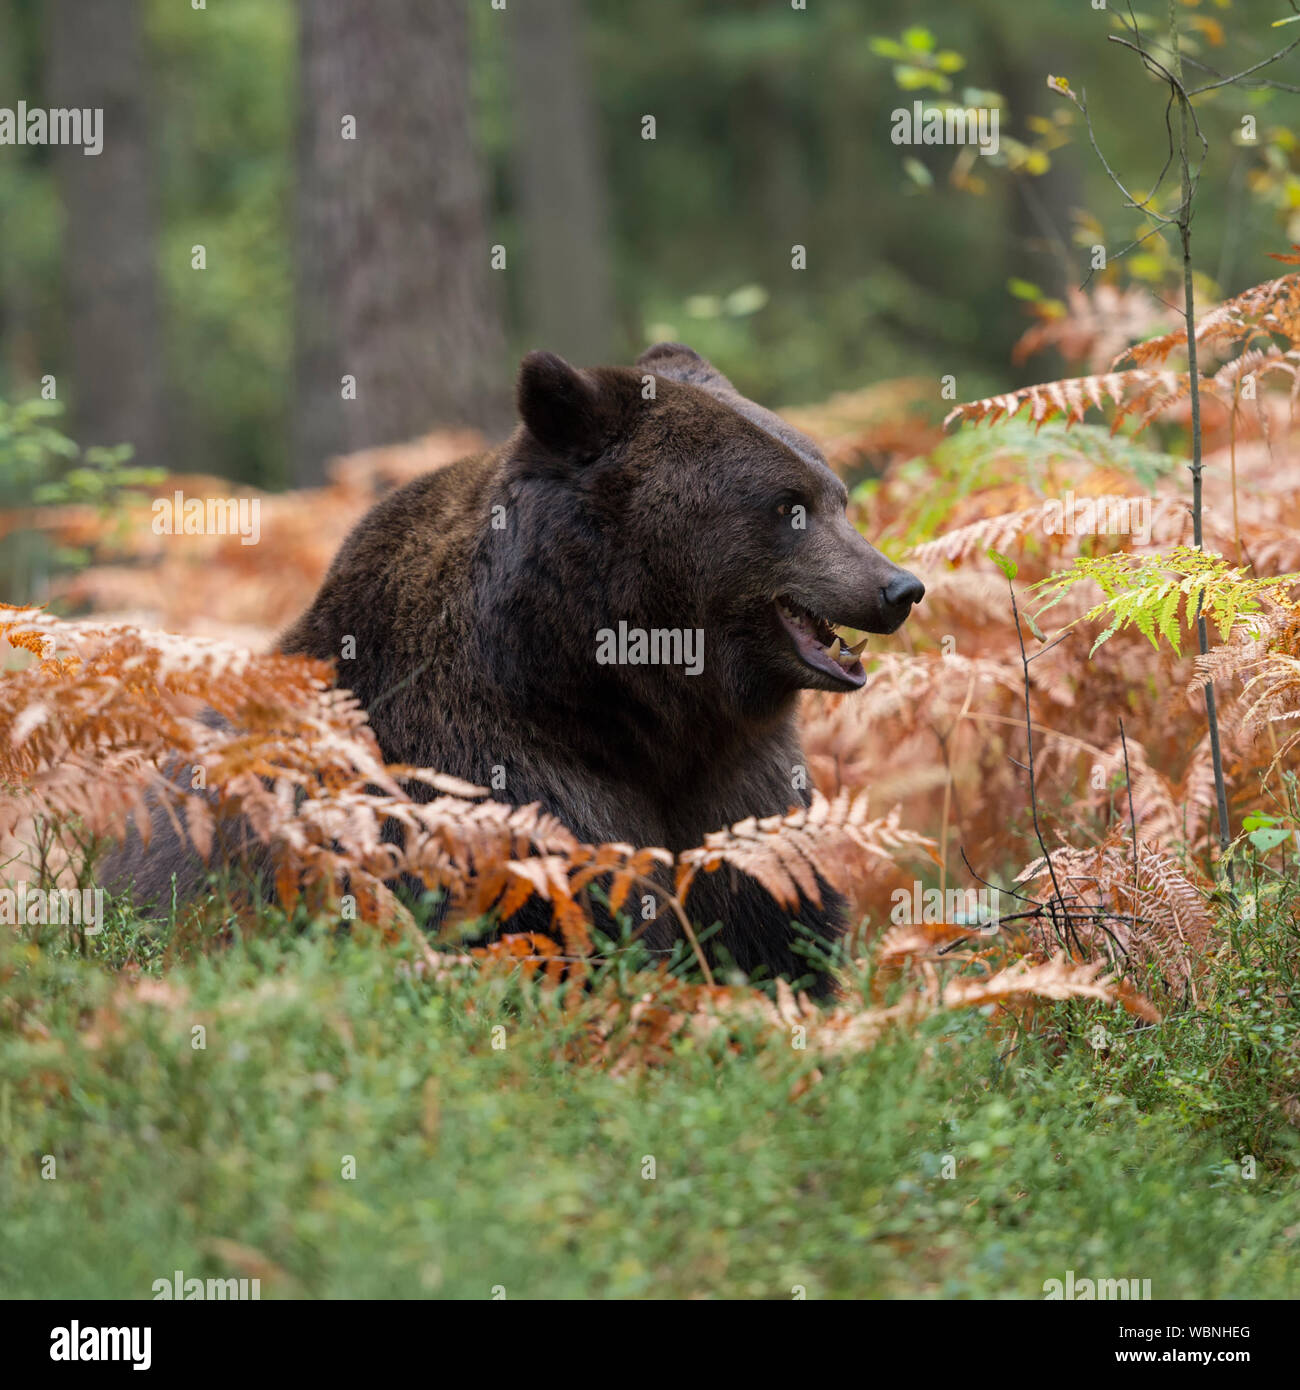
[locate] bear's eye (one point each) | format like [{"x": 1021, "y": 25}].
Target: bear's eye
[{"x": 788, "y": 502}]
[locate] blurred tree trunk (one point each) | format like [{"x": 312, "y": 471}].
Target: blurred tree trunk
[
  {"x": 563, "y": 252},
  {"x": 21, "y": 365},
  {"x": 113, "y": 351},
  {"x": 852, "y": 105},
  {"x": 394, "y": 285}
]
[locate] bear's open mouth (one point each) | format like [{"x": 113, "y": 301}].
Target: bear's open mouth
[{"x": 818, "y": 644}]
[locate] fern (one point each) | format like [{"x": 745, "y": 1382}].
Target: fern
[
  {"x": 1157, "y": 914},
  {"x": 1137, "y": 391},
  {"x": 1268, "y": 664},
  {"x": 1257, "y": 314},
  {"x": 831, "y": 839},
  {"x": 1249, "y": 324},
  {"x": 93, "y": 724},
  {"x": 1008, "y": 529},
  {"x": 1156, "y": 593},
  {"x": 108, "y": 721}
]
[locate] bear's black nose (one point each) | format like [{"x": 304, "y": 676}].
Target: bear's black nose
[{"x": 905, "y": 590}]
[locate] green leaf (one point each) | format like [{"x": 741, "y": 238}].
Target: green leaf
[
  {"x": 888, "y": 48},
  {"x": 1110, "y": 632},
  {"x": 748, "y": 299},
  {"x": 1269, "y": 839},
  {"x": 1168, "y": 620},
  {"x": 911, "y": 78},
  {"x": 704, "y": 306},
  {"x": 1008, "y": 567},
  {"x": 1024, "y": 289}
]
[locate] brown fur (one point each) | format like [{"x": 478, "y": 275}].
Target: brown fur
[{"x": 475, "y": 594}]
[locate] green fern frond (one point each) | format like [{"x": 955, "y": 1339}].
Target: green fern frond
[{"x": 1159, "y": 593}]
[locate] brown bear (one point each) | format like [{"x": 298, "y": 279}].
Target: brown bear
[{"x": 613, "y": 614}]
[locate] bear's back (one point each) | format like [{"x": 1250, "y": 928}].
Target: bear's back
[{"x": 399, "y": 562}]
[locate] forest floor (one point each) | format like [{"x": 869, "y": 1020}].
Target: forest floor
[{"x": 341, "y": 1126}]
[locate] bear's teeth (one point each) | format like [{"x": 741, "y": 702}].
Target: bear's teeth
[
  {"x": 834, "y": 650},
  {"x": 856, "y": 649}
]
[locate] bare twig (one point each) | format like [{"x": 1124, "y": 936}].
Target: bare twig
[
  {"x": 1033, "y": 791},
  {"x": 1132, "y": 819}
]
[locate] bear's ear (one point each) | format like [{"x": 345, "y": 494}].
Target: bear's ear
[
  {"x": 570, "y": 412},
  {"x": 680, "y": 363}
]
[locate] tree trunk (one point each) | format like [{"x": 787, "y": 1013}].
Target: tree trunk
[
  {"x": 20, "y": 367},
  {"x": 563, "y": 252},
  {"x": 109, "y": 242},
  {"x": 394, "y": 281}
]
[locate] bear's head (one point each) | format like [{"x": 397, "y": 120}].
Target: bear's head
[{"x": 669, "y": 501}]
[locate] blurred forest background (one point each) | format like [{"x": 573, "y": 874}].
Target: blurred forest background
[
  {"x": 523, "y": 129},
  {"x": 177, "y": 315}
]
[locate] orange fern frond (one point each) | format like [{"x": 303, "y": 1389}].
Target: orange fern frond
[
  {"x": 1132, "y": 392},
  {"x": 833, "y": 840},
  {"x": 1261, "y": 310}
]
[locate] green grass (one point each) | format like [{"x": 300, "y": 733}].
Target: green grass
[{"x": 478, "y": 1167}]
